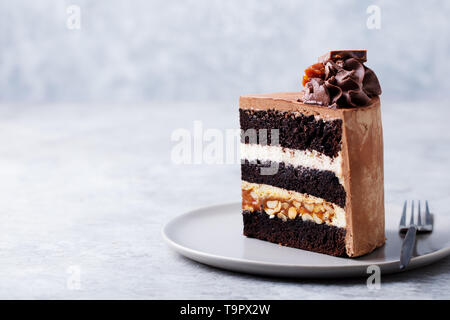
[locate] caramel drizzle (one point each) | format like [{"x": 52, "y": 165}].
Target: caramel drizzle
[{"x": 315, "y": 71}]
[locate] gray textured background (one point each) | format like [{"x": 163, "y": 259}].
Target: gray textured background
[
  {"x": 212, "y": 49},
  {"x": 80, "y": 186}
]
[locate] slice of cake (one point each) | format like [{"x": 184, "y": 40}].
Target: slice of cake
[{"x": 312, "y": 161}]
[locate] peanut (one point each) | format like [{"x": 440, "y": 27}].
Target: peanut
[{"x": 292, "y": 213}]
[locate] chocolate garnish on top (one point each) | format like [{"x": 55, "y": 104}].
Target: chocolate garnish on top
[{"x": 345, "y": 83}]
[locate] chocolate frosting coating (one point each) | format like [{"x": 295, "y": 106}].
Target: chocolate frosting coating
[{"x": 347, "y": 83}]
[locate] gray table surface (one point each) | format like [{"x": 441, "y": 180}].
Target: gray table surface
[{"x": 89, "y": 187}]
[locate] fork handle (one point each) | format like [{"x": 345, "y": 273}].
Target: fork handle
[{"x": 407, "y": 247}]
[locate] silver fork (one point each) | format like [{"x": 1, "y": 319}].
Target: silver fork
[{"x": 411, "y": 229}]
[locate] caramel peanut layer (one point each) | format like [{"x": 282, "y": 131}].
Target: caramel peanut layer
[{"x": 290, "y": 205}]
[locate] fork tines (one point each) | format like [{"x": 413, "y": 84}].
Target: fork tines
[{"x": 421, "y": 227}]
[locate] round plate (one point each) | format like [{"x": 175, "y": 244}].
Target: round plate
[{"x": 213, "y": 235}]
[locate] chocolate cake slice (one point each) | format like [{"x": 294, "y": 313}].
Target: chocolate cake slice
[{"x": 312, "y": 161}]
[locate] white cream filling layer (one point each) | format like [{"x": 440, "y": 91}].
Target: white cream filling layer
[{"x": 305, "y": 158}]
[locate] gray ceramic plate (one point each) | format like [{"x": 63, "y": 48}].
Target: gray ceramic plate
[{"x": 213, "y": 236}]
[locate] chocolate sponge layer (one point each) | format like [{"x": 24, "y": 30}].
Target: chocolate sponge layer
[
  {"x": 295, "y": 233},
  {"x": 319, "y": 183},
  {"x": 297, "y": 131}
]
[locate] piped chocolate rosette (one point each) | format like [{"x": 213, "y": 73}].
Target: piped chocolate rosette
[{"x": 340, "y": 80}]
